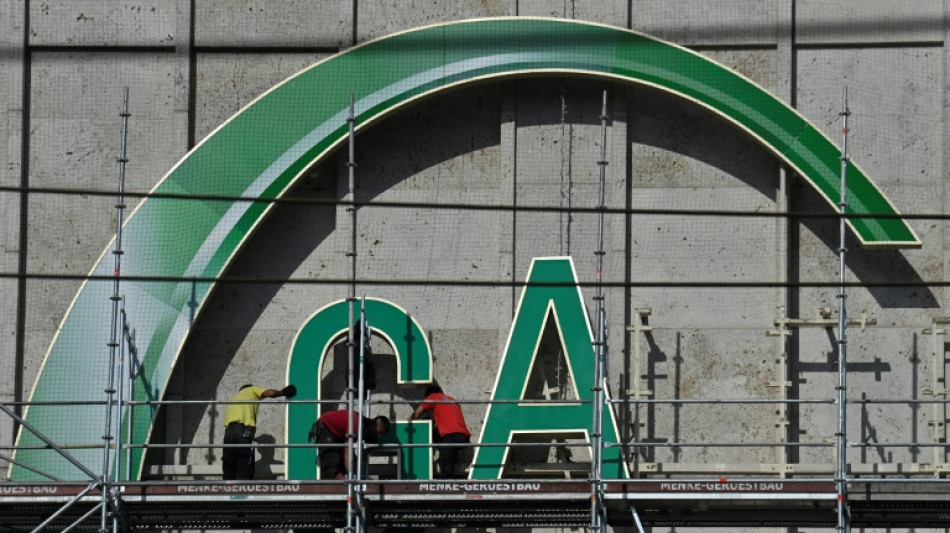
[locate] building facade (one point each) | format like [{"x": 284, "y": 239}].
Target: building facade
[{"x": 720, "y": 254}]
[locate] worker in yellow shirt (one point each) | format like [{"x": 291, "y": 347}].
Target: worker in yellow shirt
[{"x": 240, "y": 423}]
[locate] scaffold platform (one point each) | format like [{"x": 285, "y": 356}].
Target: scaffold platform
[{"x": 302, "y": 505}]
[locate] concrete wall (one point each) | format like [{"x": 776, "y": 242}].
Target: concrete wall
[
  {"x": 11, "y": 126},
  {"x": 528, "y": 142}
]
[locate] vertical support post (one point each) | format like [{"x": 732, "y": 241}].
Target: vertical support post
[
  {"x": 842, "y": 399},
  {"x": 937, "y": 389},
  {"x": 597, "y": 449},
  {"x": 361, "y": 390},
  {"x": 782, "y": 383},
  {"x": 120, "y": 402},
  {"x": 351, "y": 344},
  {"x": 116, "y": 326},
  {"x": 641, "y": 325},
  {"x": 361, "y": 526},
  {"x": 129, "y": 337},
  {"x": 19, "y": 131}
]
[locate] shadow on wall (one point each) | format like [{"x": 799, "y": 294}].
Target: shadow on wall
[
  {"x": 265, "y": 456},
  {"x": 425, "y": 135},
  {"x": 393, "y": 151},
  {"x": 333, "y": 382},
  {"x": 868, "y": 266},
  {"x": 673, "y": 125},
  {"x": 279, "y": 247},
  {"x": 668, "y": 123}
]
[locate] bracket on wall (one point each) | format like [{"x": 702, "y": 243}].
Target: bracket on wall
[
  {"x": 938, "y": 389},
  {"x": 783, "y": 330}
]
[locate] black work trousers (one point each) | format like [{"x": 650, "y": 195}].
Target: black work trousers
[
  {"x": 449, "y": 455},
  {"x": 238, "y": 463},
  {"x": 330, "y": 458}
]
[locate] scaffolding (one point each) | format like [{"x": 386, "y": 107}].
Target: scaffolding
[
  {"x": 841, "y": 474},
  {"x": 782, "y": 493}
]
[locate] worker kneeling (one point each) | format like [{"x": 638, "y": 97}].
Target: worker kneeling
[{"x": 330, "y": 429}]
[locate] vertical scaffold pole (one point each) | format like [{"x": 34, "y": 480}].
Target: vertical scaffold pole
[
  {"x": 120, "y": 399},
  {"x": 361, "y": 525},
  {"x": 106, "y": 485},
  {"x": 129, "y": 339},
  {"x": 351, "y": 344},
  {"x": 598, "y": 519},
  {"x": 842, "y": 440}
]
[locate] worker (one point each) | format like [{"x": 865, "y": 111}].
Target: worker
[
  {"x": 240, "y": 422},
  {"x": 450, "y": 427},
  {"x": 331, "y": 428}
]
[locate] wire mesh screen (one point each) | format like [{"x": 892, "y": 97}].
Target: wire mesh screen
[{"x": 695, "y": 189}]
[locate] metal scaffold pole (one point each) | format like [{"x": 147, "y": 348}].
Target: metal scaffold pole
[
  {"x": 128, "y": 339},
  {"x": 360, "y": 517},
  {"x": 598, "y": 518},
  {"x": 842, "y": 434},
  {"x": 120, "y": 399},
  {"x": 351, "y": 344},
  {"x": 106, "y": 485}
]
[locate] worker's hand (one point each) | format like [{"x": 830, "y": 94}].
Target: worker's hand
[{"x": 289, "y": 391}]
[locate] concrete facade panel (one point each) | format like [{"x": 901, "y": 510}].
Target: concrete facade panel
[
  {"x": 690, "y": 364},
  {"x": 108, "y": 23},
  {"x": 677, "y": 145},
  {"x": 883, "y": 364},
  {"x": 75, "y": 144},
  {"x": 818, "y": 262},
  {"x": 274, "y": 23},
  {"x": 385, "y": 17},
  {"x": 894, "y": 131},
  {"x": 688, "y": 23},
  {"x": 78, "y": 142},
  {"x": 716, "y": 250},
  {"x": 453, "y": 160},
  {"x": 613, "y": 12},
  {"x": 895, "y": 114},
  {"x": 460, "y": 354},
  {"x": 66, "y": 234},
  {"x": 11, "y": 139},
  {"x": 874, "y": 21},
  {"x": 228, "y": 82},
  {"x": 558, "y": 137}
]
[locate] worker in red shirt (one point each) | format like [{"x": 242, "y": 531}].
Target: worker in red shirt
[
  {"x": 331, "y": 428},
  {"x": 449, "y": 424}
]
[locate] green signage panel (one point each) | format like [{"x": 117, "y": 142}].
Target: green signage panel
[
  {"x": 326, "y": 327},
  {"x": 552, "y": 293}
]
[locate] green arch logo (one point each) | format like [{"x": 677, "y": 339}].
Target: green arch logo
[{"x": 304, "y": 118}]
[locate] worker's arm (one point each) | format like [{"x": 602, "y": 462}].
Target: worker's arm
[
  {"x": 289, "y": 391},
  {"x": 418, "y": 412}
]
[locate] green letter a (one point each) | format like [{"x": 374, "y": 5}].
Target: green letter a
[{"x": 559, "y": 297}]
